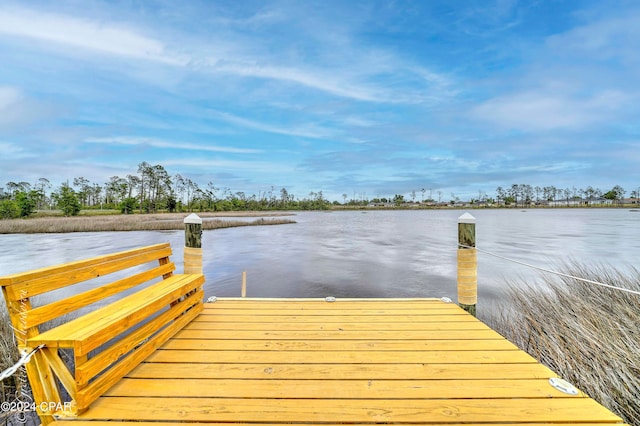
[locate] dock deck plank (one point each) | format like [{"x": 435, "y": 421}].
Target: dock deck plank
[{"x": 400, "y": 361}]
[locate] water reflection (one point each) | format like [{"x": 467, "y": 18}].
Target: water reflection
[{"x": 356, "y": 254}]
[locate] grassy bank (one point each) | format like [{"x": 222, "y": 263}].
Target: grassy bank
[
  {"x": 586, "y": 333},
  {"x": 135, "y": 222}
]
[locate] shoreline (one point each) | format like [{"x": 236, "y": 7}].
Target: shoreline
[
  {"x": 52, "y": 222},
  {"x": 135, "y": 222}
]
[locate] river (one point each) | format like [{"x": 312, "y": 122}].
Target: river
[{"x": 366, "y": 253}]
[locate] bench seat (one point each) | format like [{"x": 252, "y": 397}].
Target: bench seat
[{"x": 91, "y": 330}]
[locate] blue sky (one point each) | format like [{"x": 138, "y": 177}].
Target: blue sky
[{"x": 357, "y": 97}]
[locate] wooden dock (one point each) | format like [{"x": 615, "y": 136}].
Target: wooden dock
[{"x": 365, "y": 361}]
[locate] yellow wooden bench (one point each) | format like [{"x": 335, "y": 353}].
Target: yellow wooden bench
[{"x": 107, "y": 340}]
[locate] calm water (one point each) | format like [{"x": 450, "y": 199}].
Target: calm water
[{"x": 365, "y": 254}]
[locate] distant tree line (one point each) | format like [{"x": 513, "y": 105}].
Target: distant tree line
[
  {"x": 517, "y": 195},
  {"x": 152, "y": 189},
  {"x": 526, "y": 195}
]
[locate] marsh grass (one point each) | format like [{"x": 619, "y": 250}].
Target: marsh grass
[
  {"x": 16, "y": 385},
  {"x": 588, "y": 334},
  {"x": 8, "y": 355},
  {"x": 15, "y": 388},
  {"x": 106, "y": 223}
]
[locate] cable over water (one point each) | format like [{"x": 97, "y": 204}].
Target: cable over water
[{"x": 549, "y": 271}]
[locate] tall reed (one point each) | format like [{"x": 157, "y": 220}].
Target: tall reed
[
  {"x": 586, "y": 333},
  {"x": 15, "y": 387},
  {"x": 8, "y": 355}
]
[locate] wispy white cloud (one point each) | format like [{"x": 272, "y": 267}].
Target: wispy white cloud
[
  {"x": 356, "y": 73},
  {"x": 358, "y": 121},
  {"x": 96, "y": 36},
  {"x": 9, "y": 96},
  {"x": 11, "y": 110},
  {"x": 609, "y": 37},
  {"x": 159, "y": 143},
  {"x": 308, "y": 131},
  {"x": 490, "y": 17},
  {"x": 226, "y": 165},
  {"x": 551, "y": 167},
  {"x": 312, "y": 78},
  {"x": 577, "y": 80},
  {"x": 12, "y": 150},
  {"x": 18, "y": 110},
  {"x": 548, "y": 110}
]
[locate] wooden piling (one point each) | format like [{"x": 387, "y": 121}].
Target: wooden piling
[
  {"x": 467, "y": 264},
  {"x": 193, "y": 244},
  {"x": 244, "y": 284}
]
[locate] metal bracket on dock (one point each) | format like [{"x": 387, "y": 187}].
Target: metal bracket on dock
[
  {"x": 329, "y": 299},
  {"x": 446, "y": 300},
  {"x": 212, "y": 299}
]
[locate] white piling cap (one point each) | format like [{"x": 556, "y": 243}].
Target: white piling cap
[
  {"x": 193, "y": 218},
  {"x": 466, "y": 218}
]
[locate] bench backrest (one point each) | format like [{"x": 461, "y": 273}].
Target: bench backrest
[{"x": 19, "y": 288}]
